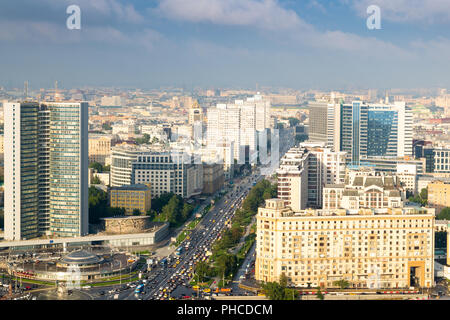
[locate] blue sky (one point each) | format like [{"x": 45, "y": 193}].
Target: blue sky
[{"x": 226, "y": 43}]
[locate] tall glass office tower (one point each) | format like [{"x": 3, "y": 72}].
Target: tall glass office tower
[
  {"x": 353, "y": 131},
  {"x": 375, "y": 130},
  {"x": 382, "y": 132},
  {"x": 46, "y": 168},
  {"x": 389, "y": 130}
]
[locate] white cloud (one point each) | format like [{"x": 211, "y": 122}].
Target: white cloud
[
  {"x": 352, "y": 44},
  {"x": 47, "y": 33},
  {"x": 271, "y": 16},
  {"x": 427, "y": 11},
  {"x": 317, "y": 5},
  {"x": 263, "y": 14}
]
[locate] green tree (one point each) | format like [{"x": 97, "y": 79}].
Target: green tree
[
  {"x": 274, "y": 291},
  {"x": 319, "y": 294},
  {"x": 159, "y": 202},
  {"x": 202, "y": 270},
  {"x": 151, "y": 213},
  {"x": 115, "y": 212},
  {"x": 172, "y": 210},
  {"x": 226, "y": 264},
  {"x": 96, "y": 166},
  {"x": 186, "y": 211},
  {"x": 96, "y": 180},
  {"x": 98, "y": 205},
  {"x": 421, "y": 198},
  {"x": 444, "y": 214},
  {"x": 144, "y": 139},
  {"x": 136, "y": 212},
  {"x": 154, "y": 140},
  {"x": 343, "y": 284},
  {"x": 106, "y": 126},
  {"x": 424, "y": 196},
  {"x": 283, "y": 280},
  {"x": 291, "y": 294},
  {"x": 280, "y": 291}
]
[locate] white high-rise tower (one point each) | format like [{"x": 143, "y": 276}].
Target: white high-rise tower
[{"x": 46, "y": 169}]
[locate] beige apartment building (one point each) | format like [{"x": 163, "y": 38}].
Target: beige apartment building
[
  {"x": 439, "y": 195},
  {"x": 387, "y": 248},
  {"x": 303, "y": 172},
  {"x": 99, "y": 148},
  {"x": 364, "y": 190}
]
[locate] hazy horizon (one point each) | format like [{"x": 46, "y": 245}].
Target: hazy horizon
[{"x": 311, "y": 44}]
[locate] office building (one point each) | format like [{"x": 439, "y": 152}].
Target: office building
[
  {"x": 165, "y": 170},
  {"x": 392, "y": 248},
  {"x": 46, "y": 169},
  {"x": 121, "y": 158},
  {"x": 322, "y": 123},
  {"x": 362, "y": 130},
  {"x": 131, "y": 197},
  {"x": 353, "y": 131},
  {"x": 222, "y": 153},
  {"x": 168, "y": 171},
  {"x": 390, "y": 164},
  {"x": 407, "y": 175},
  {"x": 239, "y": 123},
  {"x": 389, "y": 131},
  {"x": 441, "y": 159},
  {"x": 439, "y": 195},
  {"x": 223, "y": 126},
  {"x": 213, "y": 178}
]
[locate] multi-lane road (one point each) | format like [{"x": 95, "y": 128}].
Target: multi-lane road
[
  {"x": 162, "y": 282},
  {"x": 200, "y": 242}
]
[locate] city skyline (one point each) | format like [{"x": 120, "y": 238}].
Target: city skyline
[
  {"x": 225, "y": 150},
  {"x": 309, "y": 44}
]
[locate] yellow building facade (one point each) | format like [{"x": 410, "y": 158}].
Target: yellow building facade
[
  {"x": 390, "y": 249},
  {"x": 439, "y": 195},
  {"x": 131, "y": 197}
]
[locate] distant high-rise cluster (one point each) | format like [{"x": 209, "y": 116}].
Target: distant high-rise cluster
[
  {"x": 46, "y": 169},
  {"x": 113, "y": 101},
  {"x": 239, "y": 123},
  {"x": 341, "y": 212}
]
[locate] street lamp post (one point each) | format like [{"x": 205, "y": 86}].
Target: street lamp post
[{"x": 120, "y": 272}]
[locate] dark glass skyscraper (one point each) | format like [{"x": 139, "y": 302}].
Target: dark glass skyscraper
[{"x": 382, "y": 133}]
